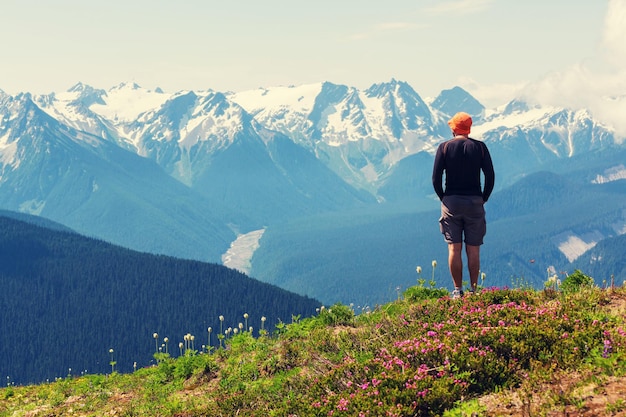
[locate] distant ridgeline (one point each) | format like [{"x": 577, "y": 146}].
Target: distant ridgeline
[{"x": 66, "y": 300}]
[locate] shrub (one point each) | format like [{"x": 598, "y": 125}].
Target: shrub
[
  {"x": 575, "y": 281},
  {"x": 418, "y": 293},
  {"x": 337, "y": 315}
]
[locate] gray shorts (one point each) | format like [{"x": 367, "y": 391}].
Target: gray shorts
[{"x": 463, "y": 215}]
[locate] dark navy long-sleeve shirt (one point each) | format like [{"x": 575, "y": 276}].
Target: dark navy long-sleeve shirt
[{"x": 463, "y": 159}]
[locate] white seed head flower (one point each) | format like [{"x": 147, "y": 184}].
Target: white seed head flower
[
  {"x": 263, "y": 318},
  {"x": 240, "y": 326},
  {"x": 155, "y": 335},
  {"x": 434, "y": 264},
  {"x": 245, "y": 315},
  {"x": 419, "y": 269},
  {"x": 111, "y": 350},
  {"x": 166, "y": 340},
  {"x": 210, "y": 330},
  {"x": 483, "y": 276},
  {"x": 221, "y": 318}
]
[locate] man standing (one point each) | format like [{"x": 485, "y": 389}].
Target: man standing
[{"x": 462, "y": 202}]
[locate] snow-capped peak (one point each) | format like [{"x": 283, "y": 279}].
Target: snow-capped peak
[
  {"x": 125, "y": 102},
  {"x": 299, "y": 99}
]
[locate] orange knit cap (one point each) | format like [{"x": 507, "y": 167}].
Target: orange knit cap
[{"x": 461, "y": 123}]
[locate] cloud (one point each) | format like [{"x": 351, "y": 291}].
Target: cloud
[
  {"x": 598, "y": 83},
  {"x": 614, "y": 36},
  {"x": 460, "y": 6},
  {"x": 603, "y": 93},
  {"x": 393, "y": 26},
  {"x": 573, "y": 87}
]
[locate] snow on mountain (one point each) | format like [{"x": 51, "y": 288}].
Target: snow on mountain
[
  {"x": 186, "y": 130},
  {"x": 128, "y": 162},
  {"x": 9, "y": 110},
  {"x": 76, "y": 106},
  {"x": 283, "y": 106},
  {"x": 511, "y": 120},
  {"x": 611, "y": 174},
  {"x": 562, "y": 132},
  {"x": 360, "y": 135},
  {"x": 90, "y": 184},
  {"x": 99, "y": 112},
  {"x": 125, "y": 102},
  {"x": 523, "y": 139},
  {"x": 573, "y": 246},
  {"x": 240, "y": 253},
  {"x": 450, "y": 101}
]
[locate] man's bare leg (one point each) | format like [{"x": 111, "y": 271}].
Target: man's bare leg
[
  {"x": 455, "y": 263},
  {"x": 473, "y": 264}
]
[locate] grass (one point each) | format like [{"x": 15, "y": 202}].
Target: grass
[{"x": 500, "y": 352}]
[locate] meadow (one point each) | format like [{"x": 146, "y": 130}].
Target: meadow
[{"x": 559, "y": 350}]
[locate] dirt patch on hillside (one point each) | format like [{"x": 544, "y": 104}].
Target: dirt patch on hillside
[{"x": 563, "y": 398}]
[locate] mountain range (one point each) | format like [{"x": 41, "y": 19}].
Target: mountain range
[{"x": 313, "y": 171}]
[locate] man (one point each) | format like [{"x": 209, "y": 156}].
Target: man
[{"x": 462, "y": 202}]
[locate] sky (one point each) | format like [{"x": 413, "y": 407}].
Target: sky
[{"x": 496, "y": 49}]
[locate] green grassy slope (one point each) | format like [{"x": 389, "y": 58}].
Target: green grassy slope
[{"x": 501, "y": 352}]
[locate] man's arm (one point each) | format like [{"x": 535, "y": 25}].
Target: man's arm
[
  {"x": 490, "y": 176},
  {"x": 438, "y": 168}
]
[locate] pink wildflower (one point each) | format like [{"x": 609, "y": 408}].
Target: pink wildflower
[{"x": 343, "y": 404}]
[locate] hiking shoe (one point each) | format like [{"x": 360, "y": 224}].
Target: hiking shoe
[{"x": 457, "y": 294}]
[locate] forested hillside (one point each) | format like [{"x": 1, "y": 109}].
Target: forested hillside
[
  {"x": 66, "y": 300},
  {"x": 606, "y": 262},
  {"x": 338, "y": 258}
]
